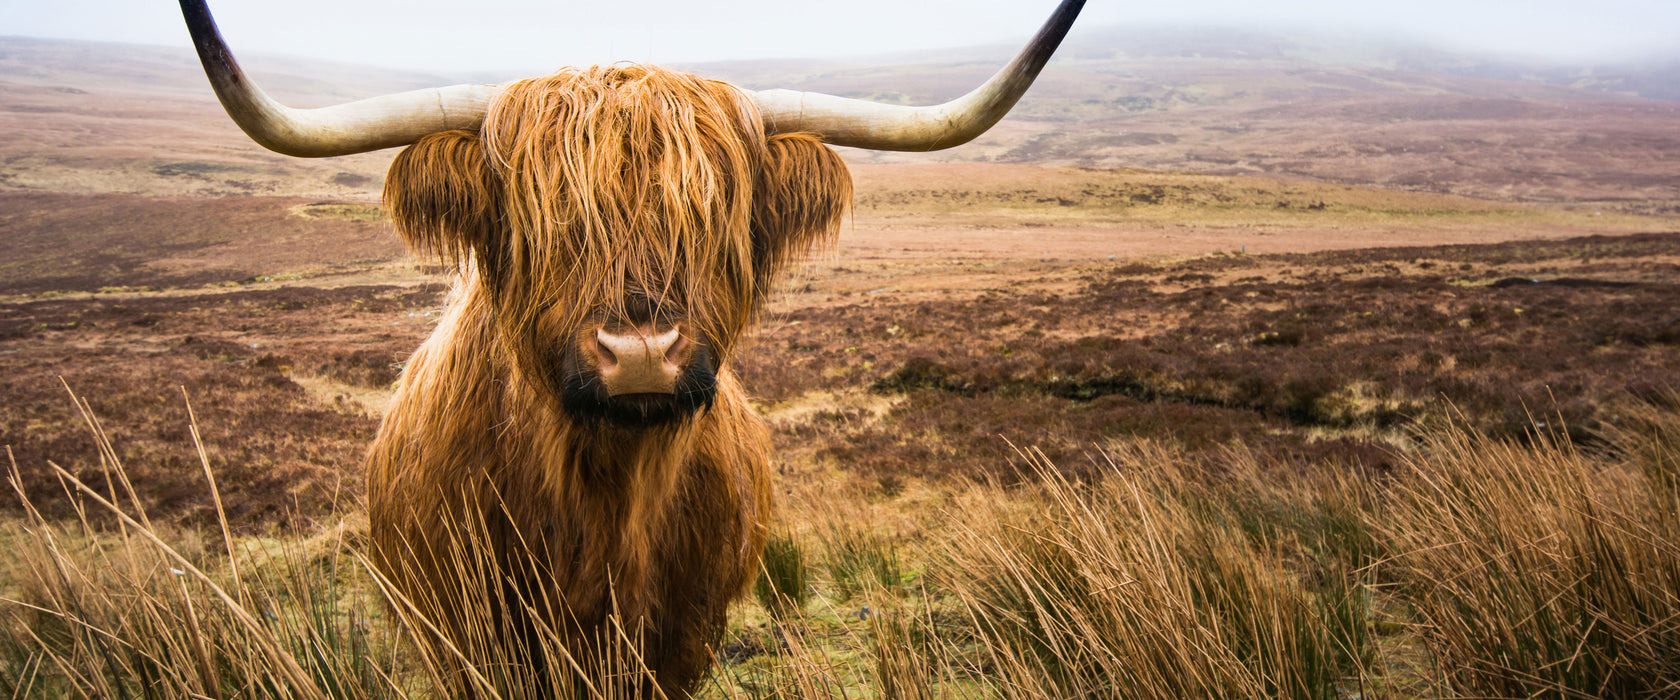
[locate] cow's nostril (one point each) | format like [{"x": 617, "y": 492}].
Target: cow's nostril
[
  {"x": 677, "y": 348},
  {"x": 604, "y": 356}
]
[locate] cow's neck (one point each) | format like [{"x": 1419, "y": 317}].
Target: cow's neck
[
  {"x": 613, "y": 462},
  {"x": 623, "y": 484},
  {"x": 615, "y": 485},
  {"x": 600, "y": 465}
]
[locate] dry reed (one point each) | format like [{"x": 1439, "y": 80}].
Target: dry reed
[{"x": 1511, "y": 569}]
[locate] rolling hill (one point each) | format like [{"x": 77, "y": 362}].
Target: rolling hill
[{"x": 87, "y": 117}]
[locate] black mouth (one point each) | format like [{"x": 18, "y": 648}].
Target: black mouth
[{"x": 584, "y": 397}]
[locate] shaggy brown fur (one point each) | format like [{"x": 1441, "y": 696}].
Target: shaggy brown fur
[{"x": 586, "y": 189}]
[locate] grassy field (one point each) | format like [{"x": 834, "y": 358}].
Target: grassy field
[
  {"x": 1010, "y": 464},
  {"x": 1471, "y": 566}
]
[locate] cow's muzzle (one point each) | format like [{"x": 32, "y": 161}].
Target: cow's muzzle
[
  {"x": 639, "y": 359},
  {"x": 639, "y": 374}
]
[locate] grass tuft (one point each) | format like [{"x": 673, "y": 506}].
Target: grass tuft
[
  {"x": 783, "y": 585},
  {"x": 861, "y": 561},
  {"x": 1539, "y": 569}
]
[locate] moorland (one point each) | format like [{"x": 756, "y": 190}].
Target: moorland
[{"x": 1209, "y": 374}]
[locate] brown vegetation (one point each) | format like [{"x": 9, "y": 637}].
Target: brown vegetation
[
  {"x": 1330, "y": 355},
  {"x": 282, "y": 450},
  {"x": 1335, "y": 354},
  {"x": 61, "y": 243}
]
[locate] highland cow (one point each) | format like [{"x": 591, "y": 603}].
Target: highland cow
[{"x": 569, "y": 456}]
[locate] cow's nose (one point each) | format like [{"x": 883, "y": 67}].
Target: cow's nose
[{"x": 639, "y": 359}]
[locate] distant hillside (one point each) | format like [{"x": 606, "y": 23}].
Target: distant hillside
[
  {"x": 1332, "y": 109},
  {"x": 88, "y": 117},
  {"x": 169, "y": 71},
  {"x": 1657, "y": 79}
]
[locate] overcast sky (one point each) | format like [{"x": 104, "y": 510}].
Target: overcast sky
[{"x": 539, "y": 35}]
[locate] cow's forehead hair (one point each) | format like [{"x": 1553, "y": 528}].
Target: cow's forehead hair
[{"x": 630, "y": 177}]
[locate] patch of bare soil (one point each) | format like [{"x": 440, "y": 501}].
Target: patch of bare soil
[{"x": 970, "y": 211}]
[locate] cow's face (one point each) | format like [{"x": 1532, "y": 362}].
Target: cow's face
[{"x": 627, "y": 223}]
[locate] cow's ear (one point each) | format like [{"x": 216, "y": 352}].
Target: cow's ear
[
  {"x": 444, "y": 197},
  {"x": 801, "y": 194}
]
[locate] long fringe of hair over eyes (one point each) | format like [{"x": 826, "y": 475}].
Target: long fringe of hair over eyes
[{"x": 624, "y": 180}]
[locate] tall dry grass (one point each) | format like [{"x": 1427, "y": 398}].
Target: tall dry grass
[
  {"x": 1140, "y": 583},
  {"x": 110, "y": 605},
  {"x": 1480, "y": 568},
  {"x": 1542, "y": 569}
]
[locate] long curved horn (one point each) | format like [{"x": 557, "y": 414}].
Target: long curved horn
[
  {"x": 355, "y": 127},
  {"x": 847, "y": 122}
]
